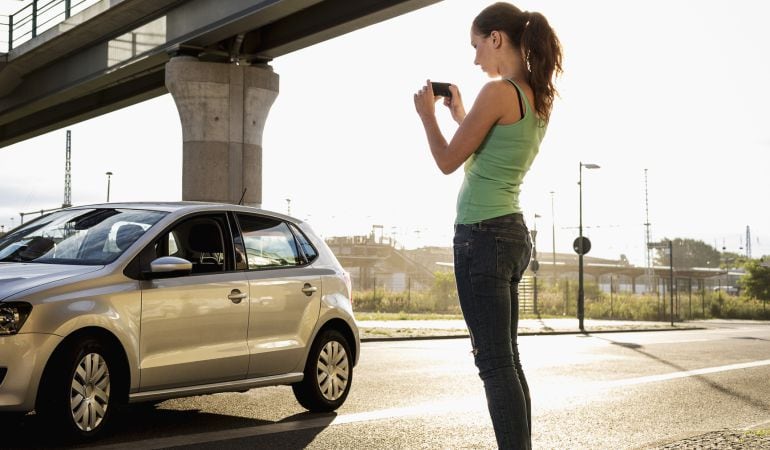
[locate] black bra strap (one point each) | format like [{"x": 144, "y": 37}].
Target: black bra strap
[{"x": 518, "y": 96}]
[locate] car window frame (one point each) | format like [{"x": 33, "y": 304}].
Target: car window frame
[{"x": 140, "y": 264}]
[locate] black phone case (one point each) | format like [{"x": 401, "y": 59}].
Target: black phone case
[{"x": 441, "y": 89}]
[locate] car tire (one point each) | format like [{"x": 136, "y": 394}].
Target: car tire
[
  {"x": 78, "y": 390},
  {"x": 328, "y": 373}
]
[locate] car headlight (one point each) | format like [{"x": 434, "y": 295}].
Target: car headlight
[{"x": 13, "y": 316}]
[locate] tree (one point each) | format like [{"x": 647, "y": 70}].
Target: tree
[
  {"x": 756, "y": 282},
  {"x": 689, "y": 253}
]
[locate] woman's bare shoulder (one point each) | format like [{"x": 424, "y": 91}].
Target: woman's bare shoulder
[{"x": 492, "y": 92}]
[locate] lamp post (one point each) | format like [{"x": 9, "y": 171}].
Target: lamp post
[
  {"x": 109, "y": 174},
  {"x": 553, "y": 241},
  {"x": 581, "y": 250},
  {"x": 535, "y": 264},
  {"x": 288, "y": 206}
]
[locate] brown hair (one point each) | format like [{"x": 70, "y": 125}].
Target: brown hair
[{"x": 530, "y": 32}]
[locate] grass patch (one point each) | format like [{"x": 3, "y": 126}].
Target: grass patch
[
  {"x": 760, "y": 433},
  {"x": 559, "y": 300}
]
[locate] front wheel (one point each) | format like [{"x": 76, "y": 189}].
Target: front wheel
[
  {"x": 77, "y": 391},
  {"x": 328, "y": 373}
]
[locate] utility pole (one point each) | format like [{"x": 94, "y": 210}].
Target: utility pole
[{"x": 581, "y": 248}]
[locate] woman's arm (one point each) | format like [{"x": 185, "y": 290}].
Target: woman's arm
[{"x": 474, "y": 127}]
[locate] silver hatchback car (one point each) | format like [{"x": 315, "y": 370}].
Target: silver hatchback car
[{"x": 107, "y": 304}]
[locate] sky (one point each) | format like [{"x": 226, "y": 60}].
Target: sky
[{"x": 675, "y": 87}]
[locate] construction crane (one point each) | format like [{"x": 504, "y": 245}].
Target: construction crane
[
  {"x": 68, "y": 174},
  {"x": 748, "y": 242},
  {"x": 647, "y": 238}
]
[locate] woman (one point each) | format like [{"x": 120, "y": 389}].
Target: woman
[{"x": 497, "y": 141}]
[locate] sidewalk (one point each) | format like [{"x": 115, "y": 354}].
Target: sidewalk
[{"x": 374, "y": 330}]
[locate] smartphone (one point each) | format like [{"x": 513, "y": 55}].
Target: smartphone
[{"x": 441, "y": 89}]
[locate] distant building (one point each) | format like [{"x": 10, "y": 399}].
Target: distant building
[{"x": 377, "y": 263}]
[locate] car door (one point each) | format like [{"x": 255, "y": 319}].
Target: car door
[
  {"x": 285, "y": 296},
  {"x": 194, "y": 327}
]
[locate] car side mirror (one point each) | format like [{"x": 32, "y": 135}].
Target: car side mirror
[{"x": 169, "y": 266}]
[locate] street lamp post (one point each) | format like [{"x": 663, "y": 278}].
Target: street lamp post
[
  {"x": 553, "y": 241},
  {"x": 581, "y": 293},
  {"x": 109, "y": 174},
  {"x": 534, "y": 265},
  {"x": 288, "y": 206}
]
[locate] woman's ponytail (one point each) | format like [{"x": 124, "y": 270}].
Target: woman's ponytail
[{"x": 542, "y": 51}]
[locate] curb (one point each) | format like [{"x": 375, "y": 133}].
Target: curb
[{"x": 527, "y": 333}]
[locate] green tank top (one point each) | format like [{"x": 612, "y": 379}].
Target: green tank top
[{"x": 494, "y": 173}]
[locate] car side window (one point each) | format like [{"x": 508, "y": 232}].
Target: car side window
[
  {"x": 269, "y": 243},
  {"x": 307, "y": 248},
  {"x": 200, "y": 240}
]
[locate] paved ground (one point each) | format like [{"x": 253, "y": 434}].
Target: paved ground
[
  {"x": 748, "y": 439},
  {"x": 690, "y": 389}
]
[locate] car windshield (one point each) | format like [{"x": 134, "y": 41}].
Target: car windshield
[{"x": 94, "y": 236}]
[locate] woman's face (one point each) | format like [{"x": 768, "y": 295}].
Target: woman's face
[{"x": 484, "y": 52}]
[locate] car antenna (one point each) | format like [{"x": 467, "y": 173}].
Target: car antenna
[{"x": 240, "y": 202}]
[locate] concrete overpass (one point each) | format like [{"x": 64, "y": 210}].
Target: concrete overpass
[{"x": 211, "y": 55}]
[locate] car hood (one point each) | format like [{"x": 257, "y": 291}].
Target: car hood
[{"x": 18, "y": 277}]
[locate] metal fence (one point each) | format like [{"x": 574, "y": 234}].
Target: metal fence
[{"x": 35, "y": 18}]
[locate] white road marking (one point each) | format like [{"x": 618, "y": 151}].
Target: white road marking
[
  {"x": 684, "y": 374},
  {"x": 758, "y": 425}
]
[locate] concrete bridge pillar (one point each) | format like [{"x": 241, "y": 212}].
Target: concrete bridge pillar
[{"x": 223, "y": 108}]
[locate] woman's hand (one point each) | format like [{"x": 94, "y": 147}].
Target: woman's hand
[
  {"x": 425, "y": 101},
  {"x": 455, "y": 104}
]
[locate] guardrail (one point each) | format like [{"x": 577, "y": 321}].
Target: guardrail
[{"x": 35, "y": 18}]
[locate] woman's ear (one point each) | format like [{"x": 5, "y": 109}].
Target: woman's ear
[{"x": 497, "y": 39}]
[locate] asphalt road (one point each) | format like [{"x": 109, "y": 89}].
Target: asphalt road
[{"x": 614, "y": 391}]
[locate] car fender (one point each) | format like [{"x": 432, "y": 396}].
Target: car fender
[
  {"x": 115, "y": 308},
  {"x": 331, "y": 312}
]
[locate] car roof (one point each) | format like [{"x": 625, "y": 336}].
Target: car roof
[{"x": 184, "y": 207}]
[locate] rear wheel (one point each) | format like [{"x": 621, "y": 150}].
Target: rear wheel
[
  {"x": 328, "y": 373},
  {"x": 77, "y": 390}
]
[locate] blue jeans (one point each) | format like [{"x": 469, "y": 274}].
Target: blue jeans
[{"x": 490, "y": 259}]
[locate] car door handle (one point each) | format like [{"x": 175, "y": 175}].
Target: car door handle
[
  {"x": 309, "y": 290},
  {"x": 237, "y": 296}
]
